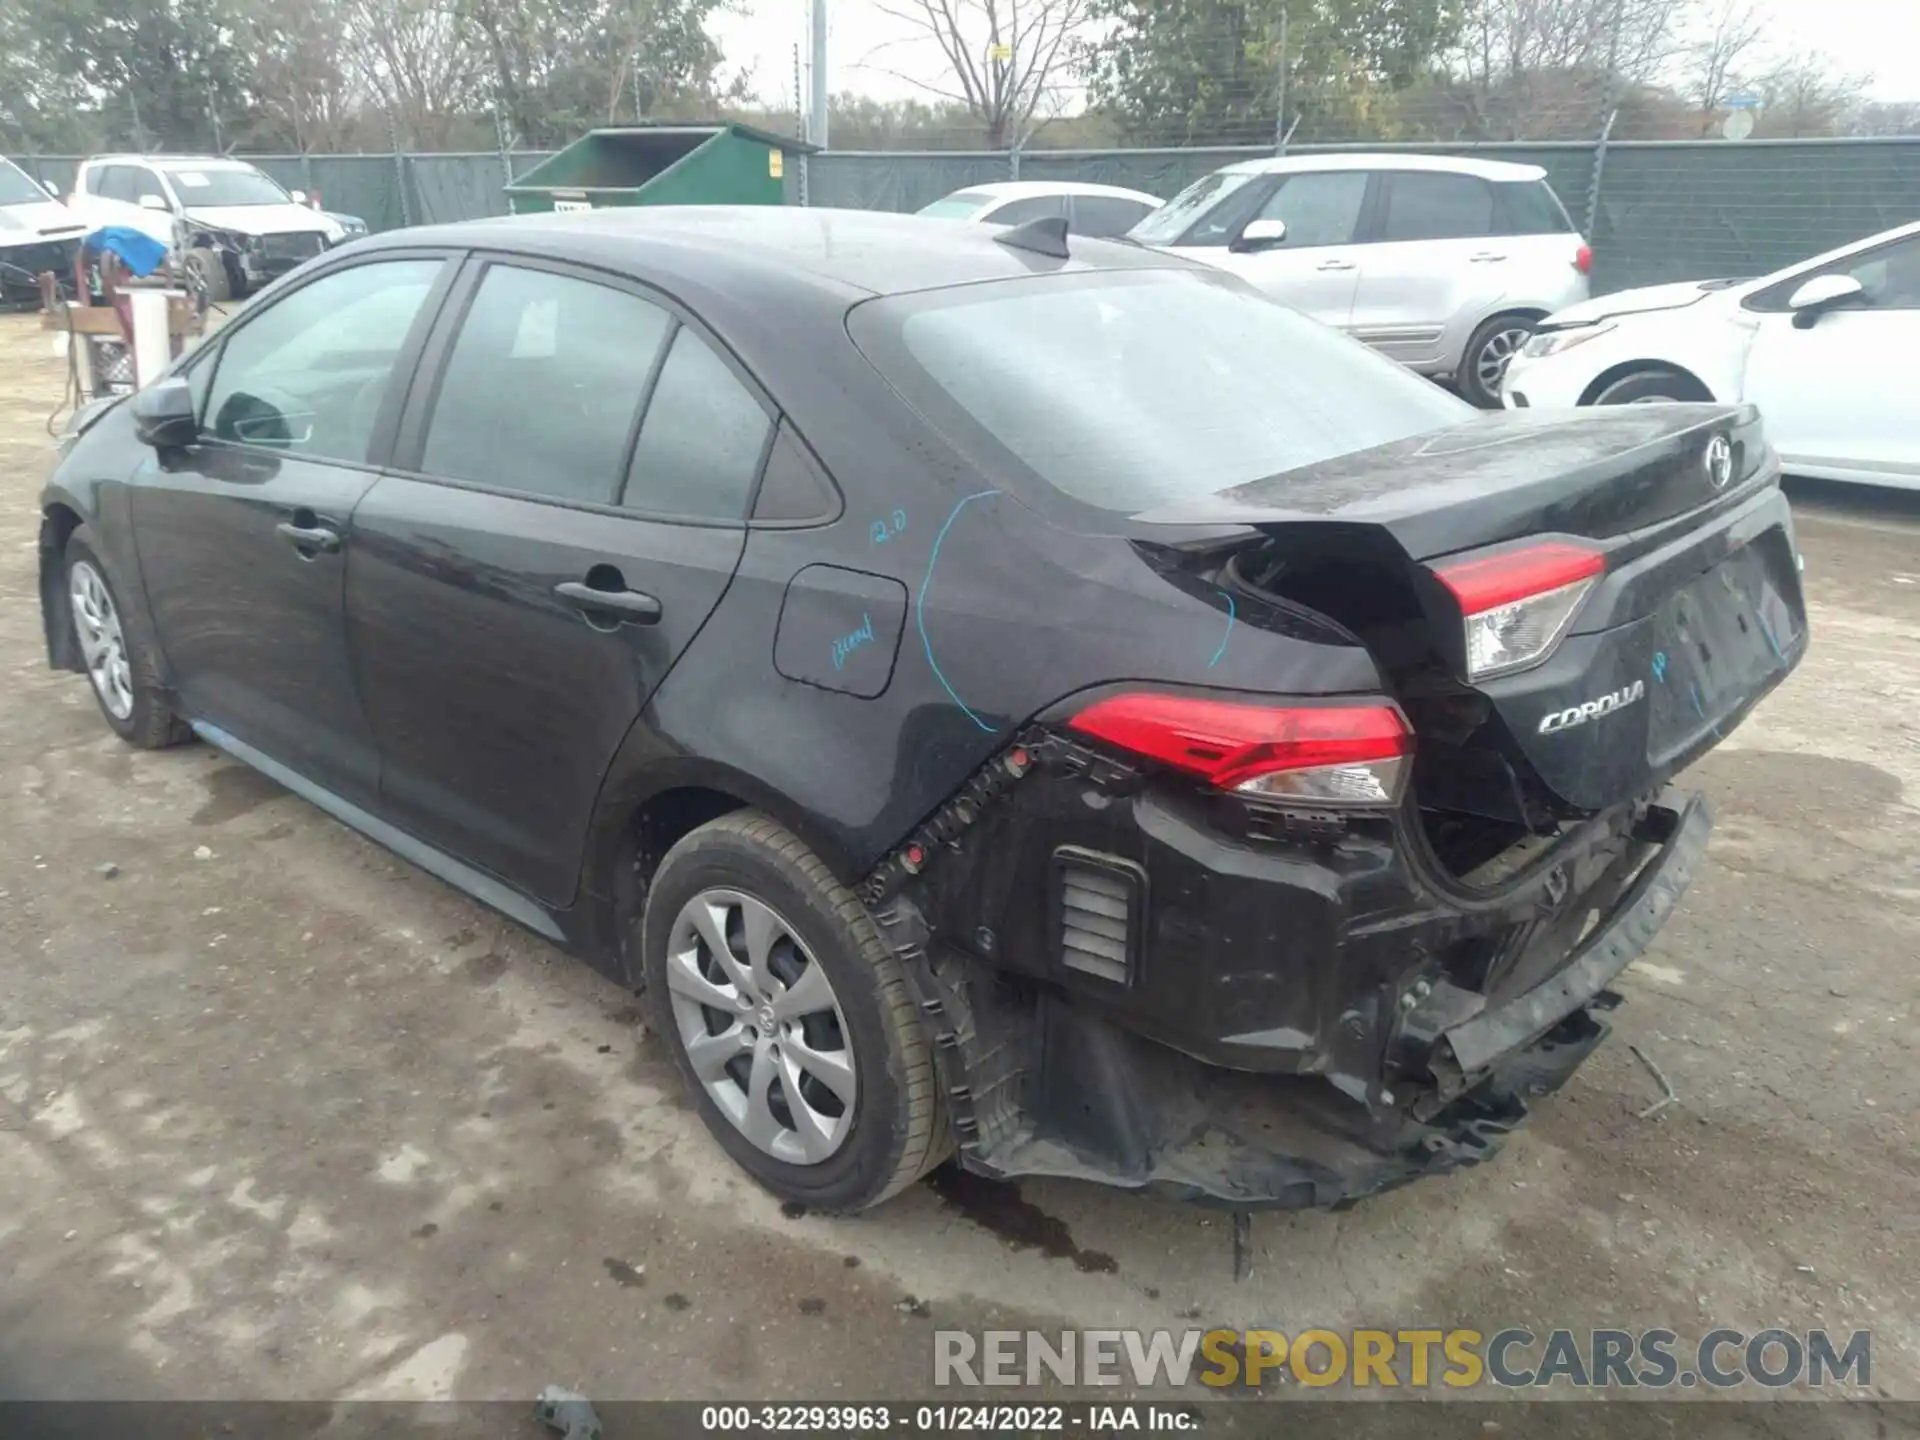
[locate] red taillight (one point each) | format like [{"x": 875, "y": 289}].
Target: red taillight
[
  {"x": 1494, "y": 580},
  {"x": 1325, "y": 754},
  {"x": 1583, "y": 259},
  {"x": 1518, "y": 603}
]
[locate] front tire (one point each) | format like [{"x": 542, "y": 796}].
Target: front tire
[
  {"x": 1652, "y": 387},
  {"x": 789, "y": 1018},
  {"x": 1489, "y": 351},
  {"x": 115, "y": 647},
  {"x": 209, "y": 267}
]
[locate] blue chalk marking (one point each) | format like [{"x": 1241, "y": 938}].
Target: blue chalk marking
[
  {"x": 1226, "y": 637},
  {"x": 1698, "y": 708},
  {"x": 1660, "y": 666},
  {"x": 919, "y": 609},
  {"x": 884, "y": 531},
  {"x": 879, "y": 532},
  {"x": 847, "y": 644},
  {"x": 1767, "y": 630}
]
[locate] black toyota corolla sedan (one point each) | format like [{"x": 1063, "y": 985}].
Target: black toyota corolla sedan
[{"x": 995, "y": 692}]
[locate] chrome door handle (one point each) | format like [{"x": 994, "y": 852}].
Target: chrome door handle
[
  {"x": 1335, "y": 265},
  {"x": 309, "y": 538},
  {"x": 1485, "y": 257},
  {"x": 633, "y": 606}
]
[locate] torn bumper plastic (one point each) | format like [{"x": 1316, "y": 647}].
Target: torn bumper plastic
[{"x": 1040, "y": 1083}]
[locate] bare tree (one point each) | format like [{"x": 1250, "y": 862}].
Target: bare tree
[
  {"x": 303, "y": 79},
  {"x": 1007, "y": 61},
  {"x": 1716, "y": 62},
  {"x": 414, "y": 61},
  {"x": 1538, "y": 69},
  {"x": 1806, "y": 95}
]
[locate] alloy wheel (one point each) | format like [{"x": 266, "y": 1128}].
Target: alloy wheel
[
  {"x": 1490, "y": 365},
  {"x": 761, "y": 1026},
  {"x": 103, "y": 644}
]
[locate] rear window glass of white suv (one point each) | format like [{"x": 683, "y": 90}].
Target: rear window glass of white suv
[
  {"x": 1130, "y": 389},
  {"x": 1529, "y": 207}
]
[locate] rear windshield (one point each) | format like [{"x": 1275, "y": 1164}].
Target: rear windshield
[
  {"x": 1529, "y": 207},
  {"x": 957, "y": 206},
  {"x": 1130, "y": 389}
]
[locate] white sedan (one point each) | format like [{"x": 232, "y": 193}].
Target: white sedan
[
  {"x": 1826, "y": 349},
  {"x": 1096, "y": 211}
]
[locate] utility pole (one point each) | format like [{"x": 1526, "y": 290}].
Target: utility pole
[
  {"x": 817, "y": 118},
  {"x": 1280, "y": 131}
]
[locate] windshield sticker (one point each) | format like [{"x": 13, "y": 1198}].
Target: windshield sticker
[{"x": 192, "y": 179}]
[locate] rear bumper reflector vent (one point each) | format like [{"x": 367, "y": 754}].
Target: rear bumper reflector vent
[{"x": 1098, "y": 904}]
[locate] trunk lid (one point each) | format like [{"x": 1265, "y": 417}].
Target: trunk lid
[
  {"x": 1696, "y": 614},
  {"x": 1502, "y": 476}
]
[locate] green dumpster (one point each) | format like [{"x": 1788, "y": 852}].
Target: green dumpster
[{"x": 718, "y": 164}]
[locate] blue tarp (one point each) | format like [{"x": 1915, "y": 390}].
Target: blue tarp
[{"x": 138, "y": 251}]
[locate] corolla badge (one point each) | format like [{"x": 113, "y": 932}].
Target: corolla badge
[
  {"x": 1719, "y": 462},
  {"x": 1593, "y": 709}
]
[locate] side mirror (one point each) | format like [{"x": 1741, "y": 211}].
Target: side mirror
[
  {"x": 299, "y": 197},
  {"x": 1259, "y": 235},
  {"x": 47, "y": 185},
  {"x": 154, "y": 202},
  {"x": 1821, "y": 294},
  {"x": 163, "y": 414}
]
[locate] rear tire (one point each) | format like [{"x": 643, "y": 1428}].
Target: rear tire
[
  {"x": 1483, "y": 365},
  {"x": 1652, "y": 387},
  {"x": 115, "y": 645},
  {"x": 791, "y": 930}
]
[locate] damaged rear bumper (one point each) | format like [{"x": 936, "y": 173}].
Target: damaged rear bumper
[{"x": 1040, "y": 1083}]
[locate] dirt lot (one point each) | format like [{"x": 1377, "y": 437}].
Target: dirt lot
[{"x": 283, "y": 1117}]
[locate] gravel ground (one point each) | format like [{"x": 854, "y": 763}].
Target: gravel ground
[{"x": 283, "y": 1117}]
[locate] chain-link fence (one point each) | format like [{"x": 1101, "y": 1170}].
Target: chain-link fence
[{"x": 1666, "y": 210}]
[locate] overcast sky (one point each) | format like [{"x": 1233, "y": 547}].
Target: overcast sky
[{"x": 1878, "y": 38}]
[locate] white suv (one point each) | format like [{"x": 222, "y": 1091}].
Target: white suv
[
  {"x": 1445, "y": 264},
  {"x": 235, "y": 227}
]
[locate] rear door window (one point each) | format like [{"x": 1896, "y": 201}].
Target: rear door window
[
  {"x": 1102, "y": 216},
  {"x": 1529, "y": 207},
  {"x": 543, "y": 385},
  {"x": 1422, "y": 205},
  {"x": 701, "y": 441},
  {"x": 1319, "y": 207},
  {"x": 1031, "y": 207}
]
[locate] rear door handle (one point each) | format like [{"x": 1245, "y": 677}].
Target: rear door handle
[
  {"x": 309, "y": 540},
  {"x": 634, "y": 606},
  {"x": 1485, "y": 257},
  {"x": 1335, "y": 265}
]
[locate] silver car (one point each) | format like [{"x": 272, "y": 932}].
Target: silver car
[{"x": 1446, "y": 264}]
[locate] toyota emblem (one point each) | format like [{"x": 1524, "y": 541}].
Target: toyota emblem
[{"x": 1719, "y": 462}]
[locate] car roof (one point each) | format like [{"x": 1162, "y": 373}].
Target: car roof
[
  {"x": 1387, "y": 160},
  {"x": 1020, "y": 189},
  {"x": 859, "y": 252},
  {"x": 172, "y": 162}
]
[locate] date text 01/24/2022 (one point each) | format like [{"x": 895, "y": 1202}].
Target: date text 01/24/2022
[{"x": 903, "y": 1418}]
